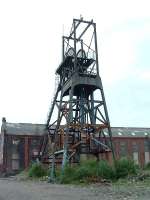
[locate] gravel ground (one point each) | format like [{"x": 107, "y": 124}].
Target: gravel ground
[{"x": 11, "y": 189}]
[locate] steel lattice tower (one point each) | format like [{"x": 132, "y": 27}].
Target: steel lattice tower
[{"x": 82, "y": 124}]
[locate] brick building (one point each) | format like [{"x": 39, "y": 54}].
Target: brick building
[
  {"x": 20, "y": 143},
  {"x": 133, "y": 143}
]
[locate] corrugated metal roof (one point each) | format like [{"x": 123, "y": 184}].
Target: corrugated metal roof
[
  {"x": 39, "y": 129},
  {"x": 130, "y": 132}
]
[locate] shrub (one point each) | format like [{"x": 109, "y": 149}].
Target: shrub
[
  {"x": 68, "y": 176},
  {"x": 124, "y": 167},
  {"x": 147, "y": 166},
  {"x": 105, "y": 170},
  {"x": 80, "y": 172},
  {"x": 88, "y": 170},
  {"x": 37, "y": 170}
]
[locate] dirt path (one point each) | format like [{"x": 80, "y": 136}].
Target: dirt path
[{"x": 11, "y": 189}]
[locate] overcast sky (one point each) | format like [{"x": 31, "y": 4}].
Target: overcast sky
[{"x": 30, "y": 52}]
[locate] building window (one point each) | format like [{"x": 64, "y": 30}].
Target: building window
[
  {"x": 135, "y": 150},
  {"x": 15, "y": 154},
  {"x": 136, "y": 157},
  {"x": 34, "y": 147},
  {"x": 15, "y": 161},
  {"x": 115, "y": 146},
  {"x": 123, "y": 149},
  {"x": 147, "y": 160},
  {"x": 15, "y": 142},
  {"x": 147, "y": 151},
  {"x": 147, "y": 145}
]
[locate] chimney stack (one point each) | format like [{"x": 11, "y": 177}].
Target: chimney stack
[
  {"x": 3, "y": 120},
  {"x": 3, "y": 127}
]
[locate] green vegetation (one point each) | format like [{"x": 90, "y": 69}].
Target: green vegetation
[
  {"x": 91, "y": 171},
  {"x": 125, "y": 167},
  {"x": 147, "y": 165},
  {"x": 106, "y": 171},
  {"x": 37, "y": 170}
]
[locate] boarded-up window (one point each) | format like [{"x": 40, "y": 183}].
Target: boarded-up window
[
  {"x": 136, "y": 157},
  {"x": 147, "y": 145},
  {"x": 34, "y": 147},
  {"x": 123, "y": 149},
  {"x": 15, "y": 164},
  {"x": 135, "y": 150},
  {"x": 147, "y": 150},
  {"x": 115, "y": 145},
  {"x": 147, "y": 160},
  {"x": 135, "y": 147},
  {"x": 15, "y": 154}
]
